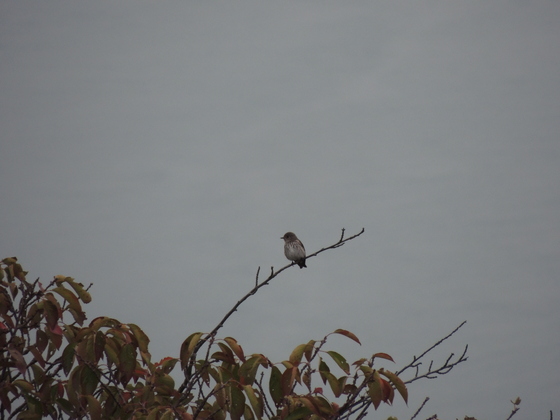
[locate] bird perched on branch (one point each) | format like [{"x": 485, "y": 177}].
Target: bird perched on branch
[{"x": 294, "y": 249}]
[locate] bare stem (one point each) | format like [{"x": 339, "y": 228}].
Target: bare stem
[
  {"x": 420, "y": 408},
  {"x": 433, "y": 372},
  {"x": 258, "y": 285}
]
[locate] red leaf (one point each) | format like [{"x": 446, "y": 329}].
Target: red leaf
[
  {"x": 56, "y": 330},
  {"x": 397, "y": 383},
  {"x": 382, "y": 356},
  {"x": 51, "y": 312},
  {"x": 288, "y": 378},
  {"x": 348, "y": 334},
  {"x": 237, "y": 349},
  {"x": 19, "y": 361},
  {"x": 38, "y": 356}
]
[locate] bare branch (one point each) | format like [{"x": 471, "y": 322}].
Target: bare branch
[
  {"x": 432, "y": 372},
  {"x": 257, "y": 276},
  {"x": 273, "y": 275},
  {"x": 420, "y": 408},
  {"x": 253, "y": 291}
]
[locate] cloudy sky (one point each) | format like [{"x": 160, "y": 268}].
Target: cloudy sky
[{"x": 159, "y": 150}]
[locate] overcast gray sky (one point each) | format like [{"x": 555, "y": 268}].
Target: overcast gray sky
[{"x": 161, "y": 149}]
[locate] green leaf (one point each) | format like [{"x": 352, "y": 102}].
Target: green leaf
[
  {"x": 153, "y": 414},
  {"x": 225, "y": 355},
  {"x": 23, "y": 385},
  {"x": 306, "y": 379},
  {"x": 127, "y": 362},
  {"x": 309, "y": 402},
  {"x": 340, "y": 361},
  {"x": 297, "y": 354},
  {"x": 309, "y": 350},
  {"x": 79, "y": 289},
  {"x": 348, "y": 334},
  {"x": 88, "y": 380},
  {"x": 248, "y": 413},
  {"x": 248, "y": 370},
  {"x": 168, "y": 415},
  {"x": 39, "y": 375},
  {"x": 221, "y": 395},
  {"x": 275, "y": 385},
  {"x": 397, "y": 383},
  {"x": 237, "y": 403},
  {"x": 99, "y": 345},
  {"x": 112, "y": 351},
  {"x": 67, "y": 358},
  {"x": 71, "y": 386},
  {"x": 94, "y": 407},
  {"x": 51, "y": 313},
  {"x": 367, "y": 370},
  {"x": 188, "y": 347},
  {"x": 232, "y": 343},
  {"x": 255, "y": 400},
  {"x": 325, "y": 408},
  {"x": 103, "y": 322},
  {"x": 323, "y": 370},
  {"x": 334, "y": 384},
  {"x": 299, "y": 413},
  {"x": 288, "y": 379},
  {"x": 18, "y": 272},
  {"x": 165, "y": 384},
  {"x": 73, "y": 303},
  {"x": 375, "y": 391},
  {"x": 140, "y": 336},
  {"x": 167, "y": 364}
]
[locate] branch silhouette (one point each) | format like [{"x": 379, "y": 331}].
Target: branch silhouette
[
  {"x": 432, "y": 372},
  {"x": 341, "y": 241}
]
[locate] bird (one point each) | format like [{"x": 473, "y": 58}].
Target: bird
[{"x": 294, "y": 249}]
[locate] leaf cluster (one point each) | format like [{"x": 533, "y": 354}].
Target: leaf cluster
[
  {"x": 54, "y": 364},
  {"x": 238, "y": 387}
]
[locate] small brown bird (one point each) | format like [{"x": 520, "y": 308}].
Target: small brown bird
[{"x": 294, "y": 249}]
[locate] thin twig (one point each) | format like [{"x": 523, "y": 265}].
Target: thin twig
[
  {"x": 257, "y": 276},
  {"x": 431, "y": 372},
  {"x": 515, "y": 410},
  {"x": 264, "y": 283},
  {"x": 254, "y": 290},
  {"x": 431, "y": 348},
  {"x": 420, "y": 408}
]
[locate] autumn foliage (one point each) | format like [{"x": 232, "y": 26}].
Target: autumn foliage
[{"x": 55, "y": 364}]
